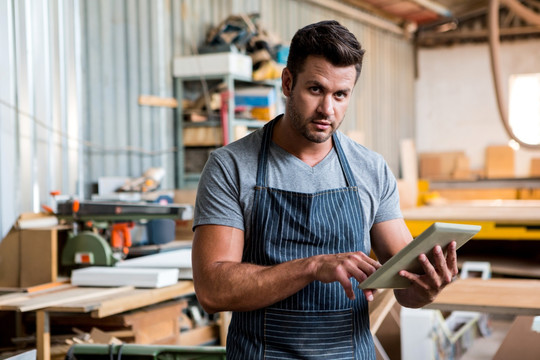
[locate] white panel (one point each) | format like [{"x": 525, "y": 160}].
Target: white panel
[{"x": 455, "y": 99}]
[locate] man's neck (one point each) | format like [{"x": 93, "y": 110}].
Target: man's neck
[{"x": 294, "y": 143}]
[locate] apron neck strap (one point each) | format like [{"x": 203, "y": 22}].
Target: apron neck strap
[{"x": 262, "y": 167}]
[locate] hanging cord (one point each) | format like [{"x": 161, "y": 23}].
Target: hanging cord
[
  {"x": 494, "y": 42},
  {"x": 87, "y": 144}
]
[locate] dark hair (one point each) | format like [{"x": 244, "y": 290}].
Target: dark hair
[{"x": 328, "y": 39}]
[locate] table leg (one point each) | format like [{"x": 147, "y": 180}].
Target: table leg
[{"x": 43, "y": 336}]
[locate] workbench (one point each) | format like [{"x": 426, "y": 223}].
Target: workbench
[
  {"x": 97, "y": 302},
  {"x": 497, "y": 296},
  {"x": 500, "y": 219}
]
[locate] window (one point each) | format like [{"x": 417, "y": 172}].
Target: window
[{"x": 524, "y": 107}]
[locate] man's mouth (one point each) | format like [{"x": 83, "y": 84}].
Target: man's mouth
[{"x": 322, "y": 124}]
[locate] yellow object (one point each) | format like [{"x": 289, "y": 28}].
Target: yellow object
[
  {"x": 490, "y": 230},
  {"x": 269, "y": 70},
  {"x": 264, "y": 113}
]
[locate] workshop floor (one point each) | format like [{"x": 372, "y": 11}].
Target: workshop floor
[{"x": 484, "y": 348}]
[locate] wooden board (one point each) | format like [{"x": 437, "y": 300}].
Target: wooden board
[
  {"x": 379, "y": 308},
  {"x": 137, "y": 298},
  {"x": 124, "y": 276},
  {"x": 521, "y": 342},
  {"x": 508, "y": 212},
  {"x": 29, "y": 302},
  {"x": 502, "y": 296},
  {"x": 513, "y": 266}
]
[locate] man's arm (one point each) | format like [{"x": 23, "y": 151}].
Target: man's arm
[
  {"x": 388, "y": 238},
  {"x": 224, "y": 283}
]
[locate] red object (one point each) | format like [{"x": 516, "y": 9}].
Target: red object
[
  {"x": 76, "y": 206},
  {"x": 224, "y": 115},
  {"x": 121, "y": 236}
]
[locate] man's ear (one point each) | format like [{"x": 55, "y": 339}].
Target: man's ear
[{"x": 286, "y": 82}]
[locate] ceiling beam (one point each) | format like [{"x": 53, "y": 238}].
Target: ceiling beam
[
  {"x": 433, "y": 6},
  {"x": 358, "y": 15},
  {"x": 482, "y": 34}
]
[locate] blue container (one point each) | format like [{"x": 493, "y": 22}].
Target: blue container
[{"x": 161, "y": 231}]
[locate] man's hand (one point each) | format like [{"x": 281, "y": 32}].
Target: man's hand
[
  {"x": 436, "y": 276},
  {"x": 342, "y": 267}
]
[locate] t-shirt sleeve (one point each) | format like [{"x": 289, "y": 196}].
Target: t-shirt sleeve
[
  {"x": 217, "y": 200},
  {"x": 389, "y": 196}
]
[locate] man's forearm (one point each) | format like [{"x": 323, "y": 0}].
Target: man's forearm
[{"x": 232, "y": 286}]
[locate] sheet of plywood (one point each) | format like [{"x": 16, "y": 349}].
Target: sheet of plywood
[
  {"x": 503, "y": 296},
  {"x": 505, "y": 265},
  {"x": 137, "y": 298},
  {"x": 179, "y": 259},
  {"x": 39, "y": 256},
  {"x": 379, "y": 308},
  {"x": 9, "y": 259},
  {"x": 41, "y": 301},
  {"x": 521, "y": 342},
  {"x": 518, "y": 212},
  {"x": 499, "y": 162},
  {"x": 116, "y": 276}
]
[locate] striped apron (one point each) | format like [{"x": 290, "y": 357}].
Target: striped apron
[{"x": 318, "y": 322}]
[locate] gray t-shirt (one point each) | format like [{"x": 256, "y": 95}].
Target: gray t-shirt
[{"x": 226, "y": 188}]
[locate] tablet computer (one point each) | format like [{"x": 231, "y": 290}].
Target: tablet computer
[{"x": 407, "y": 259}]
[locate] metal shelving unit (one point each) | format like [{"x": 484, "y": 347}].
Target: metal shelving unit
[{"x": 232, "y": 82}]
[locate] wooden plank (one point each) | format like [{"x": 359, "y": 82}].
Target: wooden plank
[
  {"x": 511, "y": 212},
  {"x": 124, "y": 276},
  {"x": 502, "y": 296},
  {"x": 43, "y": 335},
  {"x": 39, "y": 256},
  {"x": 20, "y": 296},
  {"x": 137, "y": 298},
  {"x": 383, "y": 302},
  {"x": 505, "y": 265},
  {"x": 150, "y": 100},
  {"x": 55, "y": 298},
  {"x": 521, "y": 342}
]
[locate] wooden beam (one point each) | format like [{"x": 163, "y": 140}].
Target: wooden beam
[
  {"x": 43, "y": 336},
  {"x": 499, "y": 296},
  {"x": 359, "y": 15},
  {"x": 475, "y": 34},
  {"x": 138, "y": 298},
  {"x": 150, "y": 100}
]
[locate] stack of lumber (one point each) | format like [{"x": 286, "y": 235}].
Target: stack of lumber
[
  {"x": 115, "y": 276},
  {"x": 176, "y": 259}
]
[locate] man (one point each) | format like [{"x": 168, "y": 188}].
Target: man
[{"x": 286, "y": 217}]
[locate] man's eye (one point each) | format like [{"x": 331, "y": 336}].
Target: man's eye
[
  {"x": 341, "y": 95},
  {"x": 315, "y": 89}
]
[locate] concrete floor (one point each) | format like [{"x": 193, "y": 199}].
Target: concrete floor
[{"x": 484, "y": 348}]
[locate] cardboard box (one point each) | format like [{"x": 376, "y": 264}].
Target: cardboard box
[
  {"x": 226, "y": 63},
  {"x": 444, "y": 165},
  {"x": 260, "y": 96},
  {"x": 499, "y": 162},
  {"x": 29, "y": 257},
  {"x": 535, "y": 167},
  {"x": 203, "y": 136}
]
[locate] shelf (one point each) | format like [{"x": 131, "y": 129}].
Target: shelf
[
  {"x": 250, "y": 123},
  {"x": 227, "y": 116}
]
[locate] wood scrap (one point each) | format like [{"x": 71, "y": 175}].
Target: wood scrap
[
  {"x": 150, "y": 100},
  {"x": 502, "y": 296},
  {"x": 35, "y": 301}
]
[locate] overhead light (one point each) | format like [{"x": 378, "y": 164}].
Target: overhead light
[{"x": 448, "y": 26}]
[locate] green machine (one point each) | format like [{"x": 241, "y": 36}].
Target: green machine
[{"x": 101, "y": 230}]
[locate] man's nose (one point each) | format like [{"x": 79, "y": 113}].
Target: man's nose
[{"x": 326, "y": 106}]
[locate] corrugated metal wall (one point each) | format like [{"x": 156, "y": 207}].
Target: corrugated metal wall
[
  {"x": 40, "y": 99},
  {"x": 73, "y": 72}
]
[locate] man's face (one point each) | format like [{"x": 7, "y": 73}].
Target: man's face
[{"x": 316, "y": 105}]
